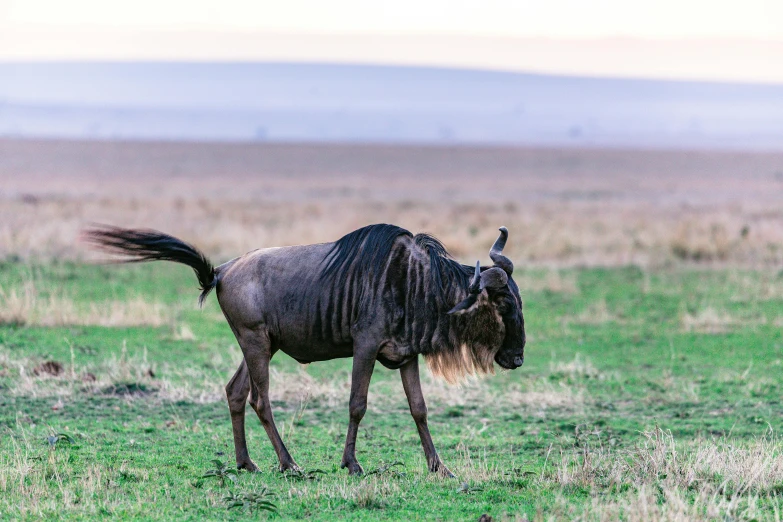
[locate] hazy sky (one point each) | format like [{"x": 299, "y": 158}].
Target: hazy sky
[
  {"x": 260, "y": 29},
  {"x": 552, "y": 18}
]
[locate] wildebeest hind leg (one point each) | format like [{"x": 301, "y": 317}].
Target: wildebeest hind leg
[
  {"x": 237, "y": 391},
  {"x": 258, "y": 351},
  {"x": 412, "y": 386}
]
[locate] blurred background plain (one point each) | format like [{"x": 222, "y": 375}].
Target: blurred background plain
[{"x": 609, "y": 133}]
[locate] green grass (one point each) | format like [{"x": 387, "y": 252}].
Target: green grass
[{"x": 623, "y": 367}]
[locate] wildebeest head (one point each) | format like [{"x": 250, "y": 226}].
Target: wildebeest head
[{"x": 503, "y": 296}]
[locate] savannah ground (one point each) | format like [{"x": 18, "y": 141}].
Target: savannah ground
[{"x": 653, "y": 303}]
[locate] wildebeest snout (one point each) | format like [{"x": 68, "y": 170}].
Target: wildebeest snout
[{"x": 510, "y": 360}]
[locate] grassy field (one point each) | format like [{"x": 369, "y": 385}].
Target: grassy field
[{"x": 648, "y": 394}]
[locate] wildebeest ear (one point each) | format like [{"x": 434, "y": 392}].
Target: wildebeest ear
[
  {"x": 463, "y": 305},
  {"x": 494, "y": 277}
]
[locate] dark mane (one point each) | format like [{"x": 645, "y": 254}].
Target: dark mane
[
  {"x": 443, "y": 268},
  {"x": 367, "y": 250}
]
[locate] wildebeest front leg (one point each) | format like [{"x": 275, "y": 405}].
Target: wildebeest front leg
[
  {"x": 412, "y": 385},
  {"x": 360, "y": 384},
  {"x": 257, "y": 350}
]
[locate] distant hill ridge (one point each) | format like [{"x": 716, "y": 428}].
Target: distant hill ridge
[{"x": 363, "y": 103}]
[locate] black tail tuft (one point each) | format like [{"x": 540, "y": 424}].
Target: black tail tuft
[{"x": 150, "y": 245}]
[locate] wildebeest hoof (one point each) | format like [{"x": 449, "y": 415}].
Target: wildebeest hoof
[
  {"x": 442, "y": 470},
  {"x": 446, "y": 472},
  {"x": 354, "y": 468},
  {"x": 289, "y": 466},
  {"x": 248, "y": 466}
]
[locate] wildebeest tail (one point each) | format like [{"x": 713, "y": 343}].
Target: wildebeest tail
[{"x": 140, "y": 245}]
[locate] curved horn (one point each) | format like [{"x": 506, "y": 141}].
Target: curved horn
[
  {"x": 475, "y": 283},
  {"x": 496, "y": 252}
]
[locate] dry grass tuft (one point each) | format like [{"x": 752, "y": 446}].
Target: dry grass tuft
[
  {"x": 596, "y": 313},
  {"x": 657, "y": 479},
  {"x": 295, "y": 389},
  {"x": 549, "y": 395},
  {"x": 555, "y": 281},
  {"x": 715, "y": 466},
  {"x": 703, "y": 242},
  {"x": 27, "y": 477},
  {"x": 29, "y": 377},
  {"x": 24, "y": 305},
  {"x": 289, "y": 390},
  {"x": 707, "y": 320},
  {"x": 183, "y": 333},
  {"x": 712, "y": 321},
  {"x": 579, "y": 368},
  {"x": 707, "y": 480},
  {"x": 533, "y": 393},
  {"x": 16, "y": 304},
  {"x": 651, "y": 504},
  {"x": 760, "y": 285}
]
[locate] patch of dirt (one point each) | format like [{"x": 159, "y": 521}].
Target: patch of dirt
[
  {"x": 129, "y": 389},
  {"x": 49, "y": 368}
]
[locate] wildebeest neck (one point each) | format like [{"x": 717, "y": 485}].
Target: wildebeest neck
[{"x": 424, "y": 284}]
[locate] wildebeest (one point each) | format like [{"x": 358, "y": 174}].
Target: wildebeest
[{"x": 377, "y": 294}]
